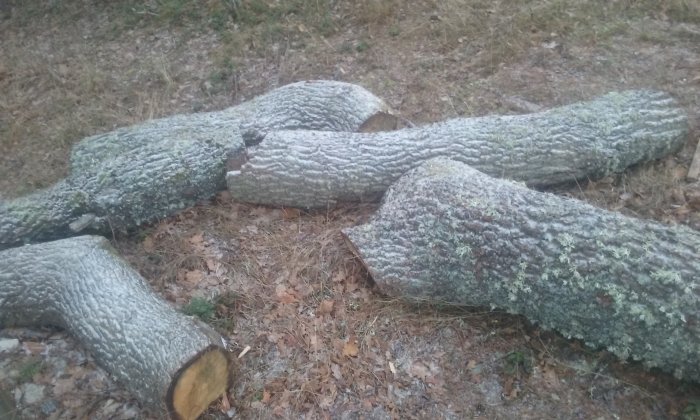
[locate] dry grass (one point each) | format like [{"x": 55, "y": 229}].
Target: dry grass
[
  {"x": 377, "y": 12},
  {"x": 49, "y": 101}
]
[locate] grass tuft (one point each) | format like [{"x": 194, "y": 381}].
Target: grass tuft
[{"x": 377, "y": 12}]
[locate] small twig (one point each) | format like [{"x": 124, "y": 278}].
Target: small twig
[{"x": 244, "y": 351}]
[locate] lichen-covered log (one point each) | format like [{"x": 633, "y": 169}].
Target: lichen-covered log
[
  {"x": 136, "y": 174},
  {"x": 448, "y": 233},
  {"x": 584, "y": 140},
  {"x": 166, "y": 359}
]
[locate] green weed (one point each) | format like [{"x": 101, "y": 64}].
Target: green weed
[
  {"x": 692, "y": 410},
  {"x": 362, "y": 46},
  {"x": 203, "y": 309},
  {"x": 217, "y": 312},
  {"x": 518, "y": 362},
  {"x": 29, "y": 369}
]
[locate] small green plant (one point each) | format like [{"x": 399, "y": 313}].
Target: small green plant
[
  {"x": 325, "y": 25},
  {"x": 202, "y": 308},
  {"x": 518, "y": 362},
  {"x": 227, "y": 304},
  {"x": 362, "y": 46},
  {"x": 394, "y": 31},
  {"x": 223, "y": 76},
  {"x": 29, "y": 369},
  {"x": 218, "y": 20},
  {"x": 692, "y": 410},
  {"x": 173, "y": 10},
  {"x": 259, "y": 395}
]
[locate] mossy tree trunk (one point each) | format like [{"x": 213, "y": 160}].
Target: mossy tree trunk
[
  {"x": 448, "y": 233},
  {"x": 585, "y": 140},
  {"x": 138, "y": 174},
  {"x": 168, "y": 361}
]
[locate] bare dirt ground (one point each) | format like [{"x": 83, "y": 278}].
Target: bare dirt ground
[{"x": 324, "y": 343}]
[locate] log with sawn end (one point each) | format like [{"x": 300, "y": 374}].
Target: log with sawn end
[{"x": 170, "y": 362}]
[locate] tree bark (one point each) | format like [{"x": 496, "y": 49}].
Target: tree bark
[
  {"x": 164, "y": 358},
  {"x": 137, "y": 174},
  {"x": 448, "y": 233},
  {"x": 584, "y": 140}
]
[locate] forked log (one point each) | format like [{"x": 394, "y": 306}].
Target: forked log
[
  {"x": 168, "y": 361},
  {"x": 137, "y": 174},
  {"x": 585, "y": 140},
  {"x": 448, "y": 233}
]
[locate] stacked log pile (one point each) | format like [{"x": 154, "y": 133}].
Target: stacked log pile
[{"x": 450, "y": 228}]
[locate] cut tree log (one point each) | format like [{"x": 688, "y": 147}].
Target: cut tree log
[
  {"x": 448, "y": 233},
  {"x": 167, "y": 360},
  {"x": 137, "y": 174},
  {"x": 584, "y": 140}
]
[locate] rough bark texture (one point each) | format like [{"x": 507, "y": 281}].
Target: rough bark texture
[
  {"x": 448, "y": 233},
  {"x": 137, "y": 174},
  {"x": 81, "y": 285},
  {"x": 590, "y": 139}
]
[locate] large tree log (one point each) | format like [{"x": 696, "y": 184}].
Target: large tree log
[
  {"x": 137, "y": 174},
  {"x": 165, "y": 359},
  {"x": 589, "y": 139},
  {"x": 448, "y": 233}
]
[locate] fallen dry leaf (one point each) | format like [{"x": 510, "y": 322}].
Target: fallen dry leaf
[
  {"x": 148, "y": 244},
  {"x": 335, "y": 368},
  {"x": 350, "y": 349},
  {"x": 212, "y": 265},
  {"x": 197, "y": 241},
  {"x": 284, "y": 295},
  {"x": 33, "y": 347},
  {"x": 194, "y": 277},
  {"x": 510, "y": 390},
  {"x": 314, "y": 342},
  {"x": 290, "y": 213},
  {"x": 325, "y": 307},
  {"x": 550, "y": 375},
  {"x": 339, "y": 276},
  {"x": 419, "y": 370}
]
